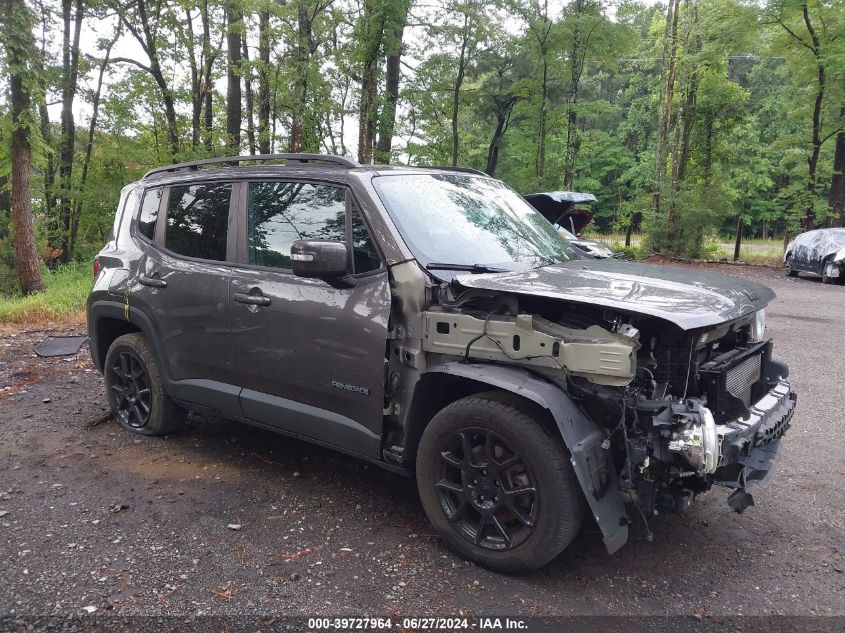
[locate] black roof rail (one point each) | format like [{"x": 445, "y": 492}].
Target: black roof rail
[
  {"x": 467, "y": 170},
  {"x": 300, "y": 158}
]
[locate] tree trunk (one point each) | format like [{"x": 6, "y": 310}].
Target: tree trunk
[
  {"x": 250, "y": 102},
  {"x": 302, "y": 56},
  {"x": 669, "y": 52},
  {"x": 456, "y": 91},
  {"x": 207, "y": 87},
  {"x": 71, "y": 18},
  {"x": 19, "y": 46},
  {"x": 813, "y": 159},
  {"x": 836, "y": 198},
  {"x": 89, "y": 145},
  {"x": 372, "y": 42},
  {"x": 263, "y": 83},
  {"x": 196, "y": 80},
  {"x": 387, "y": 120},
  {"x": 146, "y": 38},
  {"x": 233, "y": 81},
  {"x": 541, "y": 133},
  {"x": 738, "y": 243},
  {"x": 576, "y": 66},
  {"x": 503, "y": 115}
]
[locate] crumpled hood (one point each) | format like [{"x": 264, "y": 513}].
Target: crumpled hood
[{"x": 688, "y": 298}]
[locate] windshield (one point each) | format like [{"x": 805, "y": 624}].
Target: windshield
[{"x": 469, "y": 221}]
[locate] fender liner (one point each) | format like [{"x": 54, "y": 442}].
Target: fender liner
[{"x": 593, "y": 465}]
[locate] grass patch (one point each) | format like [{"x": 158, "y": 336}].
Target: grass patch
[{"x": 63, "y": 299}]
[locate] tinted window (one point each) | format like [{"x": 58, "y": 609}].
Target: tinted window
[
  {"x": 281, "y": 213},
  {"x": 149, "y": 213},
  {"x": 364, "y": 251},
  {"x": 197, "y": 217}
]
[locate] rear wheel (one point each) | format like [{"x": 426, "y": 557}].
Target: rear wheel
[
  {"x": 497, "y": 485},
  {"x": 134, "y": 387}
]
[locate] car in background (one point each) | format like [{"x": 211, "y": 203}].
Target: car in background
[
  {"x": 562, "y": 210},
  {"x": 821, "y": 252}
]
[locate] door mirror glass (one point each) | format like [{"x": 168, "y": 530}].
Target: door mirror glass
[{"x": 319, "y": 258}]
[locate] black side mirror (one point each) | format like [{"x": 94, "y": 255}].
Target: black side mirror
[{"x": 319, "y": 258}]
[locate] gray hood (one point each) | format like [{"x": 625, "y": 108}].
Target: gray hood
[{"x": 688, "y": 298}]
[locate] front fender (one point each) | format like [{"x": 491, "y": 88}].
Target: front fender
[{"x": 593, "y": 465}]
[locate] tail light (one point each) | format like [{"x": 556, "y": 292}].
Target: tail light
[{"x": 96, "y": 267}]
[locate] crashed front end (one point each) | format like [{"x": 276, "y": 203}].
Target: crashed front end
[
  {"x": 725, "y": 430},
  {"x": 679, "y": 410}
]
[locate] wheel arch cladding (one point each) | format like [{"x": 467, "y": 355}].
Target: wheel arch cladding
[{"x": 583, "y": 437}]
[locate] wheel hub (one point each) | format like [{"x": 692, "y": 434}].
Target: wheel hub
[
  {"x": 130, "y": 390},
  {"x": 487, "y": 491}
]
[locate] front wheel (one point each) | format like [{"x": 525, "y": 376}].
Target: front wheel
[
  {"x": 827, "y": 279},
  {"x": 497, "y": 484},
  {"x": 135, "y": 391},
  {"x": 790, "y": 271}
]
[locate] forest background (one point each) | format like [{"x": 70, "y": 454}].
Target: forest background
[{"x": 694, "y": 122}]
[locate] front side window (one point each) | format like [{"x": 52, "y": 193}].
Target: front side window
[
  {"x": 149, "y": 213},
  {"x": 364, "y": 253},
  {"x": 464, "y": 220},
  {"x": 197, "y": 220},
  {"x": 280, "y": 213}
]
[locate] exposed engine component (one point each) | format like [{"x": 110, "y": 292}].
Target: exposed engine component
[
  {"x": 601, "y": 356},
  {"x": 697, "y": 440}
]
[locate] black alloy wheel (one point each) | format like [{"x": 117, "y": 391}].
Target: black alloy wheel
[
  {"x": 497, "y": 482},
  {"x": 130, "y": 390},
  {"x": 136, "y": 391},
  {"x": 487, "y": 490}
]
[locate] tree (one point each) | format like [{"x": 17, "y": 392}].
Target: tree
[
  {"x": 799, "y": 21},
  {"x": 144, "y": 27},
  {"x": 20, "y": 48},
  {"x": 234, "y": 114}
]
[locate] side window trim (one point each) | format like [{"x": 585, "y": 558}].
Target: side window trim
[
  {"x": 161, "y": 222},
  {"x": 356, "y": 208}
]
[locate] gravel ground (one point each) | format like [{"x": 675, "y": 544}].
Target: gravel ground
[{"x": 228, "y": 519}]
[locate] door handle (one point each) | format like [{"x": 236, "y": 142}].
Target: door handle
[
  {"x": 253, "y": 300},
  {"x": 152, "y": 282}
]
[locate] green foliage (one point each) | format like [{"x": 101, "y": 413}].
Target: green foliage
[
  {"x": 743, "y": 101},
  {"x": 63, "y": 300}
]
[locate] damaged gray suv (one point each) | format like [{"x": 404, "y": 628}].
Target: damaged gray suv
[{"x": 431, "y": 321}]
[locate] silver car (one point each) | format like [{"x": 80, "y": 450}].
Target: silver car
[{"x": 821, "y": 252}]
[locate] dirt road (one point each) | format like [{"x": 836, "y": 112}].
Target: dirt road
[{"x": 229, "y": 519}]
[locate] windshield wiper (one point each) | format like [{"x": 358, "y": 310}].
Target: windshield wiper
[{"x": 470, "y": 268}]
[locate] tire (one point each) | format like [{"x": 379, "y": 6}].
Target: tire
[
  {"x": 134, "y": 388},
  {"x": 473, "y": 506},
  {"x": 831, "y": 280},
  {"x": 790, "y": 271}
]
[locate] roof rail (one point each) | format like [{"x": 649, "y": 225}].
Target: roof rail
[
  {"x": 234, "y": 160},
  {"x": 467, "y": 170}
]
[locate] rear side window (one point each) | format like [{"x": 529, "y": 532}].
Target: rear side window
[
  {"x": 149, "y": 213},
  {"x": 197, "y": 220},
  {"x": 281, "y": 213}
]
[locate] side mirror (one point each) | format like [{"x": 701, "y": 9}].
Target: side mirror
[{"x": 319, "y": 258}]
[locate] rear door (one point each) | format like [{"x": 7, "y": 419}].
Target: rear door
[
  {"x": 309, "y": 355},
  {"x": 183, "y": 285}
]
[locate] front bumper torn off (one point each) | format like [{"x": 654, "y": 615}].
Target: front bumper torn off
[{"x": 749, "y": 445}]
